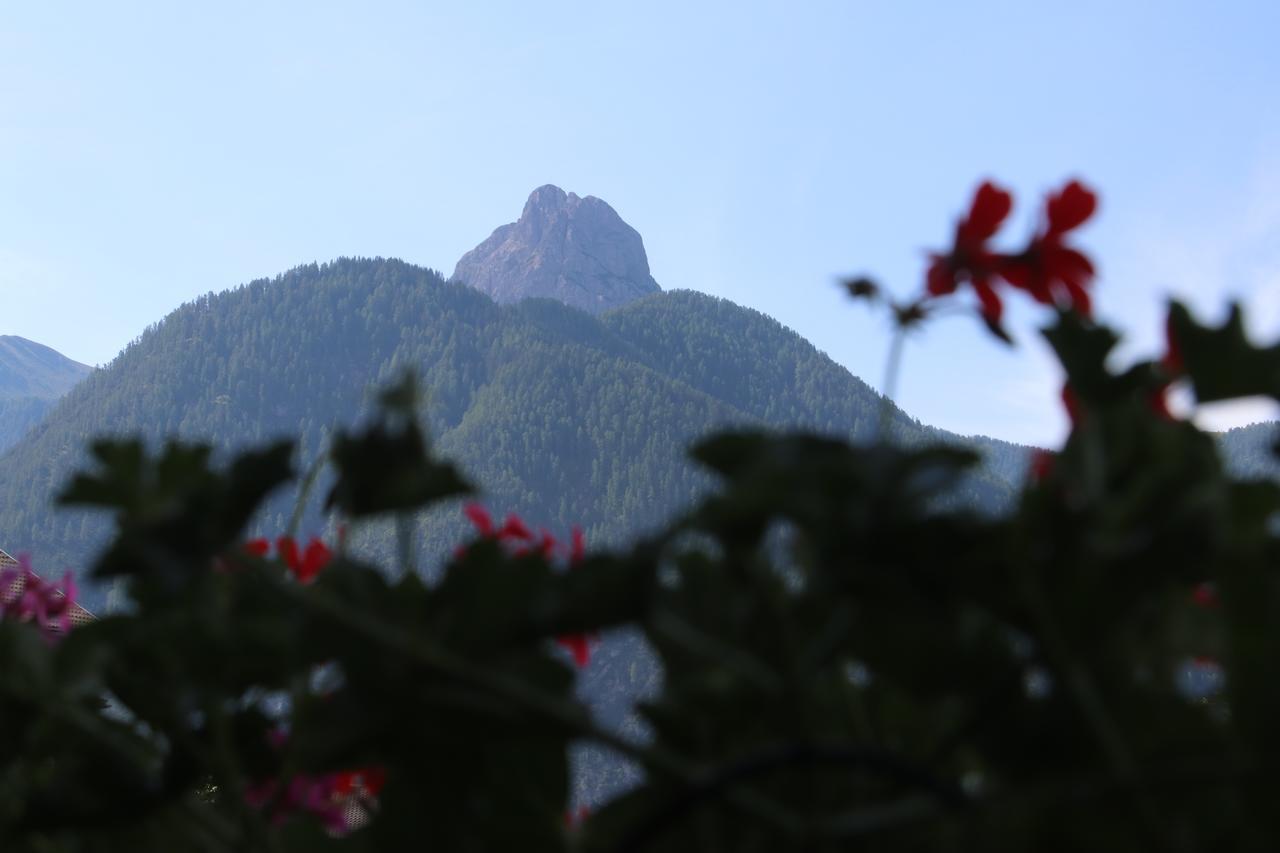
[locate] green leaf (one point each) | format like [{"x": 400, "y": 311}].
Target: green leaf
[{"x": 1221, "y": 362}]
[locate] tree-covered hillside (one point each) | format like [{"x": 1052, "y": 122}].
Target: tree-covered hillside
[
  {"x": 32, "y": 378},
  {"x": 561, "y": 416},
  {"x": 19, "y": 415},
  {"x": 1250, "y": 451}
]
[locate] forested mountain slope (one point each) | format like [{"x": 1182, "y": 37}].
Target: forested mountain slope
[
  {"x": 1251, "y": 451},
  {"x": 562, "y": 416},
  {"x": 32, "y": 378}
]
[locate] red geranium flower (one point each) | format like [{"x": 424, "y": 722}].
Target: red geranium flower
[
  {"x": 520, "y": 541},
  {"x": 1050, "y": 270},
  {"x": 579, "y": 646},
  {"x": 969, "y": 259},
  {"x": 257, "y": 547},
  {"x": 479, "y": 518},
  {"x": 367, "y": 781},
  {"x": 304, "y": 564},
  {"x": 307, "y": 564}
]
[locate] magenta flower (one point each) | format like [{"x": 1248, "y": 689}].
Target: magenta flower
[
  {"x": 318, "y": 796},
  {"x": 27, "y": 597}
]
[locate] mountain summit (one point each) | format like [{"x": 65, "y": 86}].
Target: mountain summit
[{"x": 568, "y": 248}]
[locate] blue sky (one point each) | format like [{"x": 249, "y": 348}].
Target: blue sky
[{"x": 153, "y": 152}]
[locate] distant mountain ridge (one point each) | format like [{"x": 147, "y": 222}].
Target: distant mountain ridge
[
  {"x": 29, "y": 369},
  {"x": 564, "y": 417},
  {"x": 564, "y": 247},
  {"x": 32, "y": 379}
]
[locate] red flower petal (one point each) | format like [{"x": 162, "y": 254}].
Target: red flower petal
[
  {"x": 579, "y": 646},
  {"x": 342, "y": 784},
  {"x": 1080, "y": 299},
  {"x": 991, "y": 204},
  {"x": 578, "y": 546},
  {"x": 940, "y": 280},
  {"x": 515, "y": 528},
  {"x": 374, "y": 778},
  {"x": 287, "y": 550},
  {"x": 315, "y": 558},
  {"x": 1068, "y": 265},
  {"x": 992, "y": 308},
  {"x": 479, "y": 518},
  {"x": 256, "y": 547},
  {"x": 1070, "y": 208},
  {"x": 1027, "y": 273}
]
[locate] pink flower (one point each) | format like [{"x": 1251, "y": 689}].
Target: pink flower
[
  {"x": 315, "y": 795},
  {"x": 27, "y": 597},
  {"x": 323, "y": 796}
]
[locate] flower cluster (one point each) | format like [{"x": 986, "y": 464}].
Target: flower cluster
[
  {"x": 1050, "y": 270},
  {"x": 516, "y": 536},
  {"x": 303, "y": 563},
  {"x": 27, "y": 597},
  {"x": 324, "y": 796}
]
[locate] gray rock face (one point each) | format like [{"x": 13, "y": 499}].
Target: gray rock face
[{"x": 575, "y": 250}]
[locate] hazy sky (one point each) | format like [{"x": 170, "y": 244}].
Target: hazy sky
[{"x": 150, "y": 153}]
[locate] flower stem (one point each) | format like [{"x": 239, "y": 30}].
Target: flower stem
[{"x": 889, "y": 386}]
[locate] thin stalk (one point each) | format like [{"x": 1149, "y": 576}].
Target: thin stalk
[
  {"x": 304, "y": 491},
  {"x": 890, "y": 385}
]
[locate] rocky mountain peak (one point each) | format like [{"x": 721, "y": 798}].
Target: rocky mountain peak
[{"x": 566, "y": 247}]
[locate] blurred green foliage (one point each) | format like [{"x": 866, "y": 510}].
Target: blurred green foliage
[{"x": 851, "y": 656}]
